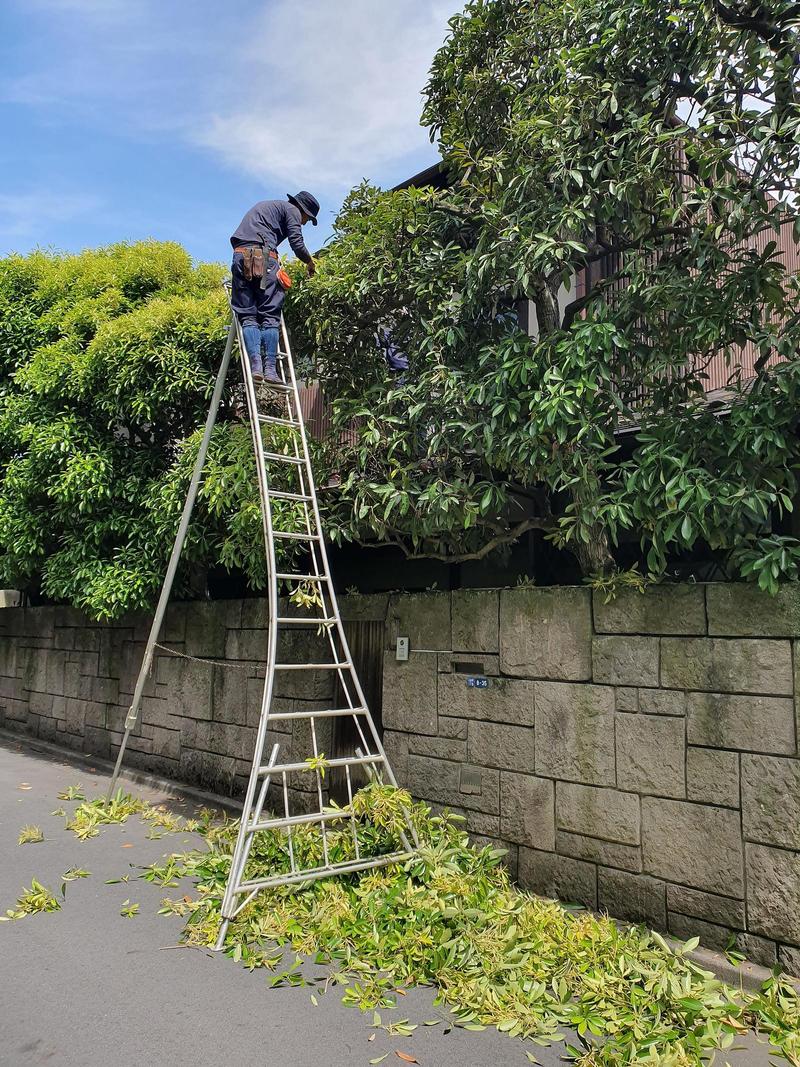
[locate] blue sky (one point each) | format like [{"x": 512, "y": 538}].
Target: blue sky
[{"x": 126, "y": 119}]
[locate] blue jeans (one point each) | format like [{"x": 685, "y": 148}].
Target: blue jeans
[{"x": 259, "y": 309}]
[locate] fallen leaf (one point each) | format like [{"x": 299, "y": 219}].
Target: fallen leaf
[
  {"x": 24, "y": 785},
  {"x": 187, "y": 900},
  {"x": 127, "y": 844},
  {"x": 372, "y": 1038},
  {"x": 379, "y": 1059},
  {"x": 404, "y": 1056}
]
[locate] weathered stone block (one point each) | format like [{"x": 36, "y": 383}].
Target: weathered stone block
[
  {"x": 105, "y": 690},
  {"x": 744, "y": 610},
  {"x": 685, "y": 927},
  {"x": 475, "y": 614},
  {"x": 758, "y": 950},
  {"x": 773, "y": 893},
  {"x": 509, "y": 700},
  {"x": 595, "y": 850},
  {"x": 559, "y": 877},
  {"x": 396, "y": 747},
  {"x": 595, "y": 812},
  {"x": 439, "y": 747},
  {"x": 651, "y": 755},
  {"x": 75, "y": 715},
  {"x": 246, "y": 645},
  {"x": 694, "y": 844},
  {"x": 167, "y": 743},
  {"x": 424, "y": 618},
  {"x": 76, "y": 684},
  {"x": 575, "y": 732},
  {"x": 663, "y": 609},
  {"x": 727, "y": 665},
  {"x": 236, "y": 741},
  {"x": 789, "y": 960},
  {"x": 96, "y": 741},
  {"x": 64, "y": 637},
  {"x": 255, "y": 613},
  {"x": 409, "y": 693},
  {"x": 508, "y": 747},
  {"x": 191, "y": 689},
  {"x": 726, "y": 911},
  {"x": 625, "y": 660},
  {"x": 440, "y": 781},
  {"x": 195, "y": 734},
  {"x": 771, "y": 800},
  {"x": 526, "y": 810},
  {"x": 41, "y": 704},
  {"x": 33, "y": 664},
  {"x": 87, "y": 639},
  {"x": 633, "y": 897},
  {"x": 712, "y": 776},
  {"x": 662, "y": 702},
  {"x": 478, "y": 822},
  {"x": 627, "y": 699},
  {"x": 455, "y": 728},
  {"x": 229, "y": 695},
  {"x": 364, "y": 607},
  {"x": 205, "y": 631},
  {"x": 546, "y": 633},
  {"x": 760, "y": 724}
]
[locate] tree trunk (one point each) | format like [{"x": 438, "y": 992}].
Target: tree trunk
[{"x": 594, "y": 556}]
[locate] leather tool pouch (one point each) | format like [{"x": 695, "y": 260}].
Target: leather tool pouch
[
  {"x": 283, "y": 279},
  {"x": 252, "y": 263}
]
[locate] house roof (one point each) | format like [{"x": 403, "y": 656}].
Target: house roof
[{"x": 435, "y": 175}]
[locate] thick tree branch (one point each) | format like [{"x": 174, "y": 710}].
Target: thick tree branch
[{"x": 506, "y": 538}]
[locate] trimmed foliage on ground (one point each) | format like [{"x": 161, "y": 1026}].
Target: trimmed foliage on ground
[{"x": 450, "y": 918}]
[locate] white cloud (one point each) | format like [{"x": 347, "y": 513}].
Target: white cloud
[
  {"x": 22, "y": 214},
  {"x": 328, "y": 92}
]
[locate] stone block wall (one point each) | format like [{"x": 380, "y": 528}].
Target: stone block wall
[
  {"x": 67, "y": 679},
  {"x": 639, "y": 756}
]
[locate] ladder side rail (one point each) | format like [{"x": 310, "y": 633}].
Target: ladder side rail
[
  {"x": 244, "y": 838},
  {"x": 324, "y": 557},
  {"x": 172, "y": 567}
]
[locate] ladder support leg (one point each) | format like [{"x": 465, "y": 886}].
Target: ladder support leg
[{"x": 177, "y": 548}]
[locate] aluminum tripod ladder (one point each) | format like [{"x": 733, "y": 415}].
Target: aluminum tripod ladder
[{"x": 306, "y": 529}]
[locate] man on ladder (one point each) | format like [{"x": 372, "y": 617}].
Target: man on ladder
[{"x": 259, "y": 285}]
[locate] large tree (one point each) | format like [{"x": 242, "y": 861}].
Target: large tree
[{"x": 657, "y": 139}]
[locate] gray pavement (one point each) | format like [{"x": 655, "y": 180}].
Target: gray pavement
[{"x": 84, "y": 986}]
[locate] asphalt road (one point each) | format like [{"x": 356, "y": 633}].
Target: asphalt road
[{"x": 85, "y": 986}]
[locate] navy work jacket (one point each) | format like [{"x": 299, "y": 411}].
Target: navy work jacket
[{"x": 269, "y": 222}]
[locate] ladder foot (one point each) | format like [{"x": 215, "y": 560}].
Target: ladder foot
[{"x": 219, "y": 945}]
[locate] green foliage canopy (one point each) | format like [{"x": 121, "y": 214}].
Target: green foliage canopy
[
  {"x": 657, "y": 139},
  {"x": 107, "y": 363}
]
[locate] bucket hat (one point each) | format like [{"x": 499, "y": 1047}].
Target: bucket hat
[{"x": 306, "y": 202}]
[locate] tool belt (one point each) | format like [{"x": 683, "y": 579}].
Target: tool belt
[{"x": 253, "y": 261}]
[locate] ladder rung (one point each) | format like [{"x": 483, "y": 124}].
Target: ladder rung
[
  {"x": 276, "y": 457},
  {"x": 278, "y": 387},
  {"x": 304, "y": 620},
  {"x": 328, "y": 713},
  {"x": 273, "y": 420},
  {"x": 280, "y": 495},
  {"x": 294, "y": 535},
  {"x": 344, "y": 761},
  {"x": 300, "y": 820},
  {"x": 313, "y": 874},
  {"x": 312, "y": 666},
  {"x": 303, "y": 577}
]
